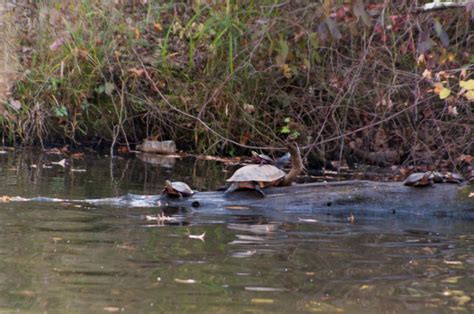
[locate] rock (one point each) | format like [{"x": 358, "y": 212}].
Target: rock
[{"x": 158, "y": 147}]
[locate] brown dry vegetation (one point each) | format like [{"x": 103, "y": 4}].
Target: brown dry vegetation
[{"x": 357, "y": 80}]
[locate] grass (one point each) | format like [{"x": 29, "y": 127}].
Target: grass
[{"x": 347, "y": 83}]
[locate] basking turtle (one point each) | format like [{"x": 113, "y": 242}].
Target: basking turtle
[
  {"x": 261, "y": 158},
  {"x": 436, "y": 177},
  {"x": 257, "y": 177},
  {"x": 451, "y": 177},
  {"x": 470, "y": 176},
  {"x": 177, "y": 189},
  {"x": 419, "y": 179}
]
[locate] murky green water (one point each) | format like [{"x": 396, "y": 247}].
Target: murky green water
[{"x": 71, "y": 257}]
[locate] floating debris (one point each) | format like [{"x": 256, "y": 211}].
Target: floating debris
[
  {"x": 78, "y": 170},
  {"x": 161, "y": 217},
  {"x": 262, "y": 301},
  {"x": 306, "y": 220},
  {"x": 244, "y": 254},
  {"x": 199, "y": 237},
  {"x": 187, "y": 281},
  {"x": 5, "y": 199},
  {"x": 61, "y": 163},
  {"x": 111, "y": 309},
  {"x": 264, "y": 289}
]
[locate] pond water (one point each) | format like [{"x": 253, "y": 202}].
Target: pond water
[{"x": 74, "y": 257}]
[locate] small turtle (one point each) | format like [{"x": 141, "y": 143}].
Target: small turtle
[
  {"x": 453, "y": 178},
  {"x": 177, "y": 189},
  {"x": 261, "y": 158},
  {"x": 436, "y": 177},
  {"x": 283, "y": 160},
  {"x": 470, "y": 176},
  {"x": 418, "y": 179}
]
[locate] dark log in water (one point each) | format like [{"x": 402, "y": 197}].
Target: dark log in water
[
  {"x": 361, "y": 198},
  {"x": 357, "y": 197}
]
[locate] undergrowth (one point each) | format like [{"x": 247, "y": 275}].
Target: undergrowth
[{"x": 355, "y": 81}]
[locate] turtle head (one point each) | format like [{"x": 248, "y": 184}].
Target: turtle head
[{"x": 168, "y": 184}]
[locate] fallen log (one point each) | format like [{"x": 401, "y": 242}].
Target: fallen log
[
  {"x": 357, "y": 197},
  {"x": 361, "y": 198}
]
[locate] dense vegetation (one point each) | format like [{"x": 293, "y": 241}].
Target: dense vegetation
[{"x": 385, "y": 82}]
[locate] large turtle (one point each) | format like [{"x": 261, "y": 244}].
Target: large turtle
[
  {"x": 177, "y": 189},
  {"x": 257, "y": 177}
]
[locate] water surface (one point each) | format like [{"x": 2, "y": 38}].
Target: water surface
[{"x": 76, "y": 257}]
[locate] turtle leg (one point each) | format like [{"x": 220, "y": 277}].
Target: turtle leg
[
  {"x": 180, "y": 195},
  {"x": 232, "y": 188},
  {"x": 259, "y": 190}
]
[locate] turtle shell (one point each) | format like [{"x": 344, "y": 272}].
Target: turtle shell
[
  {"x": 418, "y": 179},
  {"x": 454, "y": 177},
  {"x": 182, "y": 188},
  {"x": 258, "y": 173}
]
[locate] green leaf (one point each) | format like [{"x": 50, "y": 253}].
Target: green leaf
[
  {"x": 295, "y": 134},
  {"x": 444, "y": 93},
  {"x": 60, "y": 112},
  {"x": 285, "y": 130}
]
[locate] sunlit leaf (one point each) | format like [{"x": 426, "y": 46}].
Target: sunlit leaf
[
  {"x": 427, "y": 74},
  {"x": 444, "y": 93},
  {"x": 469, "y": 85},
  {"x": 438, "y": 87},
  {"x": 469, "y": 95},
  {"x": 285, "y": 130}
]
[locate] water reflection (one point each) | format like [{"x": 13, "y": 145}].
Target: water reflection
[{"x": 67, "y": 257}]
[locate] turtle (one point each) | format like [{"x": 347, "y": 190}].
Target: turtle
[
  {"x": 257, "y": 177},
  {"x": 282, "y": 161},
  {"x": 177, "y": 189},
  {"x": 436, "y": 177},
  {"x": 419, "y": 179},
  {"x": 451, "y": 177},
  {"x": 261, "y": 158}
]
